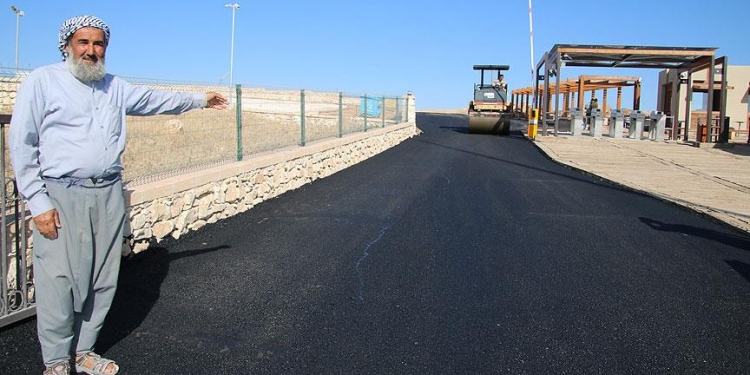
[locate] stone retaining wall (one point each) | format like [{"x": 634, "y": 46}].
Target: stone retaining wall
[{"x": 8, "y": 89}]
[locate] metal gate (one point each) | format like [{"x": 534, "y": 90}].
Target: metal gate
[{"x": 17, "y": 287}]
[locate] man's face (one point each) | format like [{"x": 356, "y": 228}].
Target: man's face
[{"x": 87, "y": 45}]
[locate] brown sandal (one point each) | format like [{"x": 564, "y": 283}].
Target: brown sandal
[
  {"x": 59, "y": 368},
  {"x": 93, "y": 364}
]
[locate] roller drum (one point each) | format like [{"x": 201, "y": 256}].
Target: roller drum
[{"x": 489, "y": 125}]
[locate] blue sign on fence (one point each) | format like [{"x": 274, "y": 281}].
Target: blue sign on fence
[{"x": 371, "y": 106}]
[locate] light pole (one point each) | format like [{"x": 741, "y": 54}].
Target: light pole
[
  {"x": 234, "y": 7},
  {"x": 19, "y": 13}
]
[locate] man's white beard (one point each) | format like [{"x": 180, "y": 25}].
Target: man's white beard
[{"x": 84, "y": 71}]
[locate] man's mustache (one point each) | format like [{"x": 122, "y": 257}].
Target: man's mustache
[{"x": 92, "y": 58}]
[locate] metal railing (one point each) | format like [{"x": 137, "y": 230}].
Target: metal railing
[{"x": 17, "y": 299}]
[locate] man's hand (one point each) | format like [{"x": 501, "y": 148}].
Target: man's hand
[
  {"x": 47, "y": 223},
  {"x": 215, "y": 100}
]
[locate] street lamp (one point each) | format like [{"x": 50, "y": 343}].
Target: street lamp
[
  {"x": 234, "y": 7},
  {"x": 19, "y": 13}
]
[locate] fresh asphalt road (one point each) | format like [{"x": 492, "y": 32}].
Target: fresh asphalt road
[{"x": 451, "y": 253}]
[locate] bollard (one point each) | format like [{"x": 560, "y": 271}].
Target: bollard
[{"x": 533, "y": 123}]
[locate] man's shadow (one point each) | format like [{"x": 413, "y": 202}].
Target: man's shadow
[
  {"x": 739, "y": 241},
  {"x": 138, "y": 289}
]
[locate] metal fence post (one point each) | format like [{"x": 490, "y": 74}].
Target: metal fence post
[
  {"x": 302, "y": 116},
  {"x": 238, "y": 114},
  {"x": 382, "y": 109},
  {"x": 399, "y": 110},
  {"x": 4, "y": 302},
  {"x": 407, "y": 108},
  {"x": 341, "y": 115},
  {"x": 365, "y": 112}
]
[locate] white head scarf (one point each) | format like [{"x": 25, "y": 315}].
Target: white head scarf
[{"x": 70, "y": 26}]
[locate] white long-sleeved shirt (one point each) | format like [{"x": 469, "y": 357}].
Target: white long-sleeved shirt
[{"x": 63, "y": 127}]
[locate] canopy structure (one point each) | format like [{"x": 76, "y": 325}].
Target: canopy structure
[
  {"x": 682, "y": 59},
  {"x": 628, "y": 56}
]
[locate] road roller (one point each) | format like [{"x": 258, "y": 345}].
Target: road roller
[{"x": 489, "y": 112}]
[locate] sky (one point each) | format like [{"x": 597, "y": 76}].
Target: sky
[{"x": 383, "y": 47}]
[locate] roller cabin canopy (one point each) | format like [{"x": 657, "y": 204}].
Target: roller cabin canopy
[
  {"x": 482, "y": 68},
  {"x": 492, "y": 67}
]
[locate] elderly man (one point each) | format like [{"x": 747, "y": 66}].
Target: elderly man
[{"x": 66, "y": 137}]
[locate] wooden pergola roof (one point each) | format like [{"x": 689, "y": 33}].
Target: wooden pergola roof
[
  {"x": 587, "y": 82},
  {"x": 584, "y": 83}
]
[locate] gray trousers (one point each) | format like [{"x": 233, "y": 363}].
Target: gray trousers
[{"x": 76, "y": 274}]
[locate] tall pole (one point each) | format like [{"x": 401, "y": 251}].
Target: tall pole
[
  {"x": 19, "y": 13},
  {"x": 533, "y": 113},
  {"x": 234, "y": 7},
  {"x": 531, "y": 43}
]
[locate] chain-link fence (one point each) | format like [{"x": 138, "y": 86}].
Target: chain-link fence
[
  {"x": 259, "y": 120},
  {"x": 279, "y": 118}
]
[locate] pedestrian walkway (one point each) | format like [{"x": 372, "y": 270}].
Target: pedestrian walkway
[{"x": 710, "y": 179}]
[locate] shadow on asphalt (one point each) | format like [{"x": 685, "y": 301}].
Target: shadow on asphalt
[
  {"x": 138, "y": 290},
  {"x": 457, "y": 129},
  {"x": 736, "y": 241},
  {"x": 741, "y": 267},
  {"x": 514, "y": 134}
]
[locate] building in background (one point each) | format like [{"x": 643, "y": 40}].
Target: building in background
[{"x": 737, "y": 97}]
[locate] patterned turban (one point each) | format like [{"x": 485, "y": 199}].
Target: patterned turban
[{"x": 74, "y": 24}]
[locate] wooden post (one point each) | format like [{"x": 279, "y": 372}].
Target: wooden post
[
  {"x": 528, "y": 109},
  {"x": 581, "y": 105}
]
